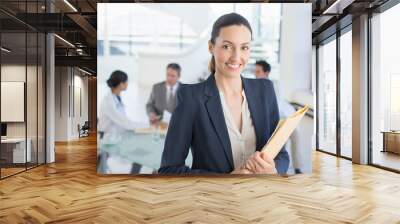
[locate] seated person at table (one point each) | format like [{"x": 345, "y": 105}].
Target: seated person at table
[
  {"x": 112, "y": 115},
  {"x": 163, "y": 94}
]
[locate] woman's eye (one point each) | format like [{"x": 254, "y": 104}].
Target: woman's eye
[
  {"x": 245, "y": 48},
  {"x": 226, "y": 46}
]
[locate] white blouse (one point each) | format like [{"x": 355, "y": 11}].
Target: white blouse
[{"x": 243, "y": 143}]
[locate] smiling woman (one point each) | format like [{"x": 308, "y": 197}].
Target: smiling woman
[{"x": 227, "y": 119}]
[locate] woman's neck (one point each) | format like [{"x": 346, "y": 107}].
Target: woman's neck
[
  {"x": 228, "y": 85},
  {"x": 115, "y": 92}
]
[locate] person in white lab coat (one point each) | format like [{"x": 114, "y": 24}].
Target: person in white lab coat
[{"x": 112, "y": 115}]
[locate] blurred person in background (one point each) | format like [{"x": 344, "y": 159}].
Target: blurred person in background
[
  {"x": 262, "y": 69},
  {"x": 162, "y": 100},
  {"x": 112, "y": 115}
]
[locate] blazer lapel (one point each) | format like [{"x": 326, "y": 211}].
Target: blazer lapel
[
  {"x": 215, "y": 112},
  {"x": 258, "y": 115}
]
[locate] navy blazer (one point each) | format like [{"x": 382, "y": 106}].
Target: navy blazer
[{"x": 198, "y": 124}]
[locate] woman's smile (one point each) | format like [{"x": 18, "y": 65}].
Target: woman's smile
[{"x": 233, "y": 67}]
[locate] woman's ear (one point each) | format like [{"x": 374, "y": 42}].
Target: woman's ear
[{"x": 210, "y": 47}]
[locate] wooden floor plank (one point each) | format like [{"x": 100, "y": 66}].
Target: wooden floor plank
[{"x": 70, "y": 191}]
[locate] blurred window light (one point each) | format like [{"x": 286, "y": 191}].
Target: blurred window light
[
  {"x": 100, "y": 47},
  {"x": 162, "y": 31},
  {"x": 159, "y": 29}
]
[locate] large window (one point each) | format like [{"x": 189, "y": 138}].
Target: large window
[
  {"x": 327, "y": 96},
  {"x": 22, "y": 77},
  {"x": 383, "y": 91},
  {"x": 13, "y": 87},
  {"x": 385, "y": 85},
  {"x": 346, "y": 94},
  {"x": 335, "y": 74}
]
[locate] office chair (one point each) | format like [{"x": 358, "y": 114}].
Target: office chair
[{"x": 84, "y": 130}]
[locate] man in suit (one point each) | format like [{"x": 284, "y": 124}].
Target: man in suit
[{"x": 163, "y": 94}]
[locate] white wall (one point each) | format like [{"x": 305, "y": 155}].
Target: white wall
[
  {"x": 295, "y": 58},
  {"x": 13, "y": 73},
  {"x": 194, "y": 64},
  {"x": 67, "y": 115},
  {"x": 61, "y": 103},
  {"x": 79, "y": 117}
]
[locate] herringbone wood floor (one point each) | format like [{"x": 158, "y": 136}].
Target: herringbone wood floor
[{"x": 70, "y": 191}]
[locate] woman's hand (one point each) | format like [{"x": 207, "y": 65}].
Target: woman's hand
[
  {"x": 260, "y": 163},
  {"x": 241, "y": 170}
]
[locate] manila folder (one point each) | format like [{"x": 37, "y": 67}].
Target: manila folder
[{"x": 282, "y": 132}]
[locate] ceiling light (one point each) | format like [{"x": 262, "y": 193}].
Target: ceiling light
[
  {"x": 5, "y": 50},
  {"x": 79, "y": 51},
  {"x": 84, "y": 71},
  {"x": 337, "y": 7},
  {"x": 70, "y": 5},
  {"x": 64, "y": 40}
]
